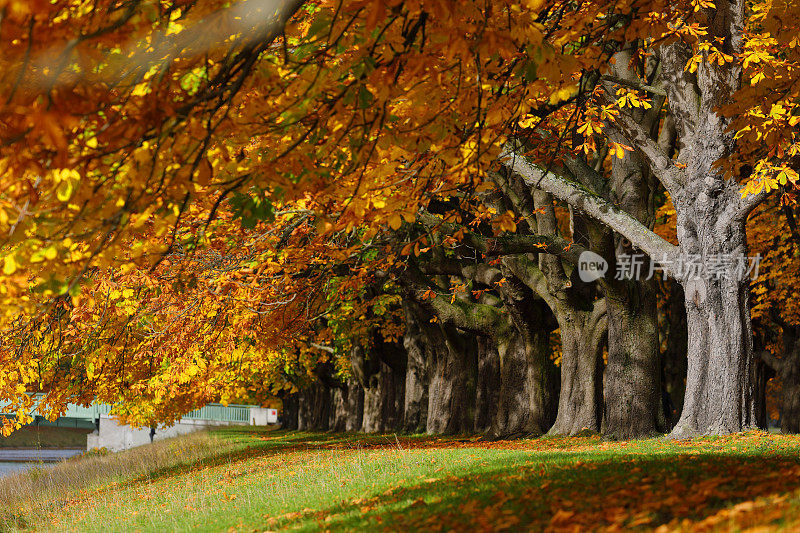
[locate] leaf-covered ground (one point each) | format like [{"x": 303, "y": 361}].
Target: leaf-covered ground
[{"x": 252, "y": 480}]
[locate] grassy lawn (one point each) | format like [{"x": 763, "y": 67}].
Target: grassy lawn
[{"x": 247, "y": 479}]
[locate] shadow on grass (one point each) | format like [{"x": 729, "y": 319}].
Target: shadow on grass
[{"x": 557, "y": 490}]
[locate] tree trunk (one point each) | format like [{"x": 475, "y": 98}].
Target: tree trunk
[
  {"x": 375, "y": 395},
  {"x": 373, "y": 407},
  {"x": 720, "y": 381},
  {"x": 487, "y": 389},
  {"x": 290, "y": 411},
  {"x": 674, "y": 357},
  {"x": 383, "y": 401},
  {"x": 631, "y": 383},
  {"x": 314, "y": 408},
  {"x": 355, "y": 406},
  {"x": 394, "y": 405},
  {"x": 632, "y": 379},
  {"x": 583, "y": 335},
  {"x": 787, "y": 368},
  {"x": 447, "y": 391},
  {"x": 526, "y": 405},
  {"x": 338, "y": 412},
  {"x": 790, "y": 394},
  {"x": 415, "y": 408}
]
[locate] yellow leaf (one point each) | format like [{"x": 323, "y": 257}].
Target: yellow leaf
[
  {"x": 9, "y": 265},
  {"x": 395, "y": 221}
]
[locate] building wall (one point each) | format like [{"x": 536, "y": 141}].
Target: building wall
[{"x": 115, "y": 437}]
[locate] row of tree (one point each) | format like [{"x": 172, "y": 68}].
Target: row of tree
[{"x": 377, "y": 210}]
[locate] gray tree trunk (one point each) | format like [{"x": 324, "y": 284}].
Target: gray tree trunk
[
  {"x": 355, "y": 406},
  {"x": 383, "y": 401},
  {"x": 374, "y": 394},
  {"x": 448, "y": 411},
  {"x": 790, "y": 393},
  {"x": 314, "y": 408},
  {"x": 787, "y": 368},
  {"x": 487, "y": 390},
  {"x": 720, "y": 383},
  {"x": 631, "y": 383},
  {"x": 290, "y": 411},
  {"x": 674, "y": 360},
  {"x": 338, "y": 412},
  {"x": 527, "y": 402},
  {"x": 632, "y": 379},
  {"x": 415, "y": 408},
  {"x": 583, "y": 335},
  {"x": 583, "y": 324}
]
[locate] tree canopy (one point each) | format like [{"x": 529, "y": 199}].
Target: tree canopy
[{"x": 212, "y": 200}]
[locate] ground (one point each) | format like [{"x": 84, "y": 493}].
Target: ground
[{"x": 249, "y": 479}]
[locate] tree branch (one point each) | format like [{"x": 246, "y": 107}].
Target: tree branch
[
  {"x": 635, "y": 85},
  {"x": 529, "y": 273},
  {"x": 591, "y": 204},
  {"x": 771, "y": 361},
  {"x": 510, "y": 244},
  {"x": 661, "y": 165},
  {"x": 750, "y": 202}
]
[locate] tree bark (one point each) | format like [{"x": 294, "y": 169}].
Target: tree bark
[
  {"x": 583, "y": 335},
  {"x": 631, "y": 383},
  {"x": 582, "y": 321},
  {"x": 487, "y": 390},
  {"x": 374, "y": 393},
  {"x": 415, "y": 408},
  {"x": 338, "y": 412},
  {"x": 527, "y": 403},
  {"x": 355, "y": 406},
  {"x": 674, "y": 362},
  {"x": 383, "y": 401},
  {"x": 448, "y": 411},
  {"x": 290, "y": 411},
  {"x": 721, "y": 382},
  {"x": 790, "y": 394},
  {"x": 314, "y": 408},
  {"x": 787, "y": 369},
  {"x": 632, "y": 378}
]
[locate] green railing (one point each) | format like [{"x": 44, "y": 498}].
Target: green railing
[{"x": 221, "y": 413}]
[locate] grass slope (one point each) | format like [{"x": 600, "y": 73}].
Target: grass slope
[{"x": 248, "y": 479}]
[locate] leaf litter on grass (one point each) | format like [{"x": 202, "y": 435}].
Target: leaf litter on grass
[{"x": 436, "y": 483}]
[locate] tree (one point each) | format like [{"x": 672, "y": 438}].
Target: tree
[{"x": 122, "y": 136}]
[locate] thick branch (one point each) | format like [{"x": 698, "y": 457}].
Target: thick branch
[
  {"x": 591, "y": 204},
  {"x": 509, "y": 244},
  {"x": 771, "y": 361},
  {"x": 750, "y": 202},
  {"x": 662, "y": 166},
  {"x": 529, "y": 273},
  {"x": 635, "y": 85}
]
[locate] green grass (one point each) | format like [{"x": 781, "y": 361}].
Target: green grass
[{"x": 248, "y": 479}]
